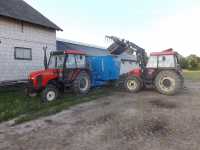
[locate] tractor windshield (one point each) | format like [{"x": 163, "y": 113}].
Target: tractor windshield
[{"x": 56, "y": 62}]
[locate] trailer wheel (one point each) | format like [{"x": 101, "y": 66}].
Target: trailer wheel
[
  {"x": 168, "y": 82},
  {"x": 82, "y": 83},
  {"x": 132, "y": 84},
  {"x": 50, "y": 93}
]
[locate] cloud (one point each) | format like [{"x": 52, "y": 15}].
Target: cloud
[{"x": 181, "y": 32}]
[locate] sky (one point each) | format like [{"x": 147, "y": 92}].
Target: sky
[{"x": 155, "y": 25}]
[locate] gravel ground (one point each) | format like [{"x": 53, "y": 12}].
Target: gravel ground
[{"x": 123, "y": 121}]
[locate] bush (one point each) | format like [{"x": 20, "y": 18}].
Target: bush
[
  {"x": 191, "y": 62},
  {"x": 183, "y": 63}
]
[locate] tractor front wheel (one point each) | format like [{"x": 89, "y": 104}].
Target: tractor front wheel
[
  {"x": 132, "y": 84},
  {"x": 82, "y": 83},
  {"x": 168, "y": 82},
  {"x": 50, "y": 93}
]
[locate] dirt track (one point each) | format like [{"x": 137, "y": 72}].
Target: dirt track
[{"x": 123, "y": 121}]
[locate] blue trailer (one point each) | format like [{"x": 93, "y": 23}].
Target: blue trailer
[{"x": 103, "y": 69}]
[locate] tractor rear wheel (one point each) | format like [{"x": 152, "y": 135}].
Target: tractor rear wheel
[
  {"x": 132, "y": 84},
  {"x": 168, "y": 82},
  {"x": 50, "y": 93},
  {"x": 82, "y": 83}
]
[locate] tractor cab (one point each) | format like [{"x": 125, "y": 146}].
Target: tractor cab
[
  {"x": 165, "y": 59},
  {"x": 67, "y": 63},
  {"x": 70, "y": 59}
]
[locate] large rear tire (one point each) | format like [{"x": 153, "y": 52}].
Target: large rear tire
[
  {"x": 82, "y": 83},
  {"x": 132, "y": 84},
  {"x": 168, "y": 82}
]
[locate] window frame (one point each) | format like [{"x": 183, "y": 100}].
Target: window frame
[{"x": 24, "y": 48}]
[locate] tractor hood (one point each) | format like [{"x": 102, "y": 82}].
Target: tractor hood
[{"x": 48, "y": 73}]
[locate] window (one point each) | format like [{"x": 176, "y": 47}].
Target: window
[
  {"x": 80, "y": 60},
  {"x": 23, "y": 53},
  {"x": 166, "y": 61},
  {"x": 152, "y": 62},
  {"x": 71, "y": 63},
  {"x": 52, "y": 62},
  {"x": 56, "y": 61},
  {"x": 60, "y": 61}
]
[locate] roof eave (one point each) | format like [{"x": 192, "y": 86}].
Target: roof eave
[{"x": 54, "y": 28}]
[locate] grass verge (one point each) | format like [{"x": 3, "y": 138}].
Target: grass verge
[
  {"x": 13, "y": 104},
  {"x": 192, "y": 75}
]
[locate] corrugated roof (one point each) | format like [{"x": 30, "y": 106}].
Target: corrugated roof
[
  {"x": 88, "y": 49},
  {"x": 20, "y": 10}
]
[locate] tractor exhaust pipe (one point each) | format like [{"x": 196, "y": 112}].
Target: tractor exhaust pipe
[{"x": 45, "y": 57}]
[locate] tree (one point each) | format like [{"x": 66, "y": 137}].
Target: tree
[
  {"x": 183, "y": 62},
  {"x": 193, "y": 62}
]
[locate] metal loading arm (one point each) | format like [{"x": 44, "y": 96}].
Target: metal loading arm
[{"x": 119, "y": 46}]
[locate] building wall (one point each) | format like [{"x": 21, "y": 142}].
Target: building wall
[{"x": 15, "y": 34}]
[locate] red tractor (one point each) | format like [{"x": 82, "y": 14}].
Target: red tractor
[
  {"x": 65, "y": 69},
  {"x": 161, "y": 70}
]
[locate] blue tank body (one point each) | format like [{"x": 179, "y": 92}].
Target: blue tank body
[{"x": 103, "y": 69}]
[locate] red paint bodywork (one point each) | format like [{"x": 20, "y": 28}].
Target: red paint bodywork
[
  {"x": 75, "y": 52},
  {"x": 50, "y": 75},
  {"x": 165, "y": 52},
  {"x": 47, "y": 75},
  {"x": 137, "y": 72}
]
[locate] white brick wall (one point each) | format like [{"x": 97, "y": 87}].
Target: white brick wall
[{"x": 33, "y": 37}]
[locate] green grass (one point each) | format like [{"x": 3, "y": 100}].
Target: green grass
[
  {"x": 192, "y": 75},
  {"x": 13, "y": 103}
]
